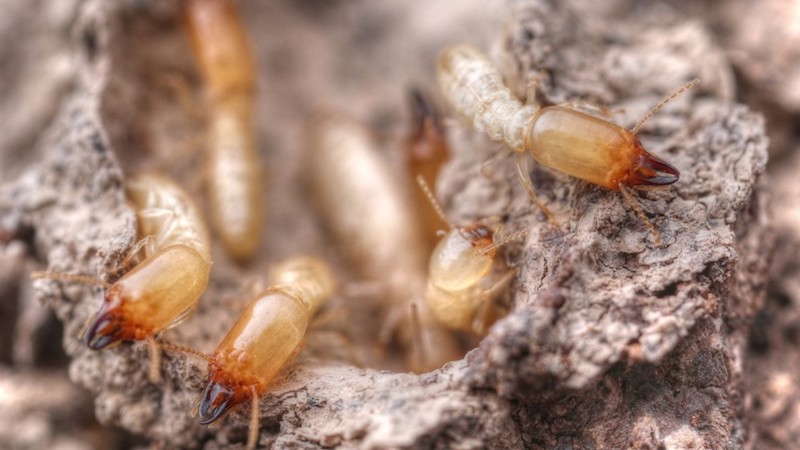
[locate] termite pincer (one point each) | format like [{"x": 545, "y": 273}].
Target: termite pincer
[
  {"x": 235, "y": 177},
  {"x": 426, "y": 151},
  {"x": 557, "y": 137},
  {"x": 162, "y": 289},
  {"x": 367, "y": 211},
  {"x": 460, "y": 267},
  {"x": 266, "y": 336}
]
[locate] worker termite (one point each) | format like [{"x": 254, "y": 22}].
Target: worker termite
[
  {"x": 266, "y": 336},
  {"x": 235, "y": 177},
  {"x": 164, "y": 287},
  {"x": 366, "y": 209},
  {"x": 462, "y": 284},
  {"x": 557, "y": 137},
  {"x": 426, "y": 150}
]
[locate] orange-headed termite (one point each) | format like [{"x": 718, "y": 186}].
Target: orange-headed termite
[
  {"x": 426, "y": 152},
  {"x": 266, "y": 336},
  {"x": 367, "y": 210},
  {"x": 165, "y": 286},
  {"x": 235, "y": 176},
  {"x": 462, "y": 282},
  {"x": 557, "y": 137}
]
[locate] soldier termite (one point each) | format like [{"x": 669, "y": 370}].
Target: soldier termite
[
  {"x": 366, "y": 209},
  {"x": 164, "y": 287},
  {"x": 462, "y": 284},
  {"x": 235, "y": 177},
  {"x": 266, "y": 336},
  {"x": 426, "y": 151},
  {"x": 557, "y": 137}
]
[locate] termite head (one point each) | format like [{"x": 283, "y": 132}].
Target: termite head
[
  {"x": 108, "y": 325},
  {"x": 481, "y": 237},
  {"x": 649, "y": 170},
  {"x": 646, "y": 169},
  {"x": 427, "y": 139},
  {"x": 219, "y": 396},
  {"x": 464, "y": 255},
  {"x": 215, "y": 401}
]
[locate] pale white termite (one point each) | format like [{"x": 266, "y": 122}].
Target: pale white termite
[
  {"x": 462, "y": 280},
  {"x": 235, "y": 176},
  {"x": 368, "y": 213}
]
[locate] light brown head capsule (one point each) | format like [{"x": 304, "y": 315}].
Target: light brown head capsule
[{"x": 426, "y": 151}]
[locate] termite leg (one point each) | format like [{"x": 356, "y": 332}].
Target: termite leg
[
  {"x": 485, "y": 299},
  {"x": 631, "y": 200},
  {"x": 524, "y": 176},
  {"x": 417, "y": 345},
  {"x": 484, "y": 171},
  {"x": 252, "y": 435},
  {"x": 155, "y": 360},
  {"x": 146, "y": 243}
]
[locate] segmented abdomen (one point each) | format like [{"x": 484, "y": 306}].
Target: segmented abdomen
[{"x": 473, "y": 87}]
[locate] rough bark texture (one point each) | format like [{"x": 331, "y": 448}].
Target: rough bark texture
[{"x": 612, "y": 342}]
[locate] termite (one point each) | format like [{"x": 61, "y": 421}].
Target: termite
[
  {"x": 367, "y": 210},
  {"x": 267, "y": 335},
  {"x": 426, "y": 150},
  {"x": 162, "y": 289},
  {"x": 235, "y": 176},
  {"x": 462, "y": 282},
  {"x": 557, "y": 137}
]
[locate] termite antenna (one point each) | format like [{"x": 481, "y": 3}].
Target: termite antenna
[
  {"x": 429, "y": 194},
  {"x": 69, "y": 277},
  {"x": 637, "y": 207},
  {"x": 505, "y": 240},
  {"x": 184, "y": 349},
  {"x": 666, "y": 100}
]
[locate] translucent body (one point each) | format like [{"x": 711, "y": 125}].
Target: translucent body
[
  {"x": 266, "y": 336},
  {"x": 458, "y": 265},
  {"x": 563, "y": 139},
  {"x": 235, "y": 177},
  {"x": 167, "y": 284},
  {"x": 367, "y": 212}
]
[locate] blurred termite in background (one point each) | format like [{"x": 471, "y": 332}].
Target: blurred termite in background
[
  {"x": 368, "y": 213},
  {"x": 234, "y": 173},
  {"x": 268, "y": 334},
  {"x": 426, "y": 150},
  {"x": 164, "y": 286},
  {"x": 557, "y": 137},
  {"x": 463, "y": 283}
]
